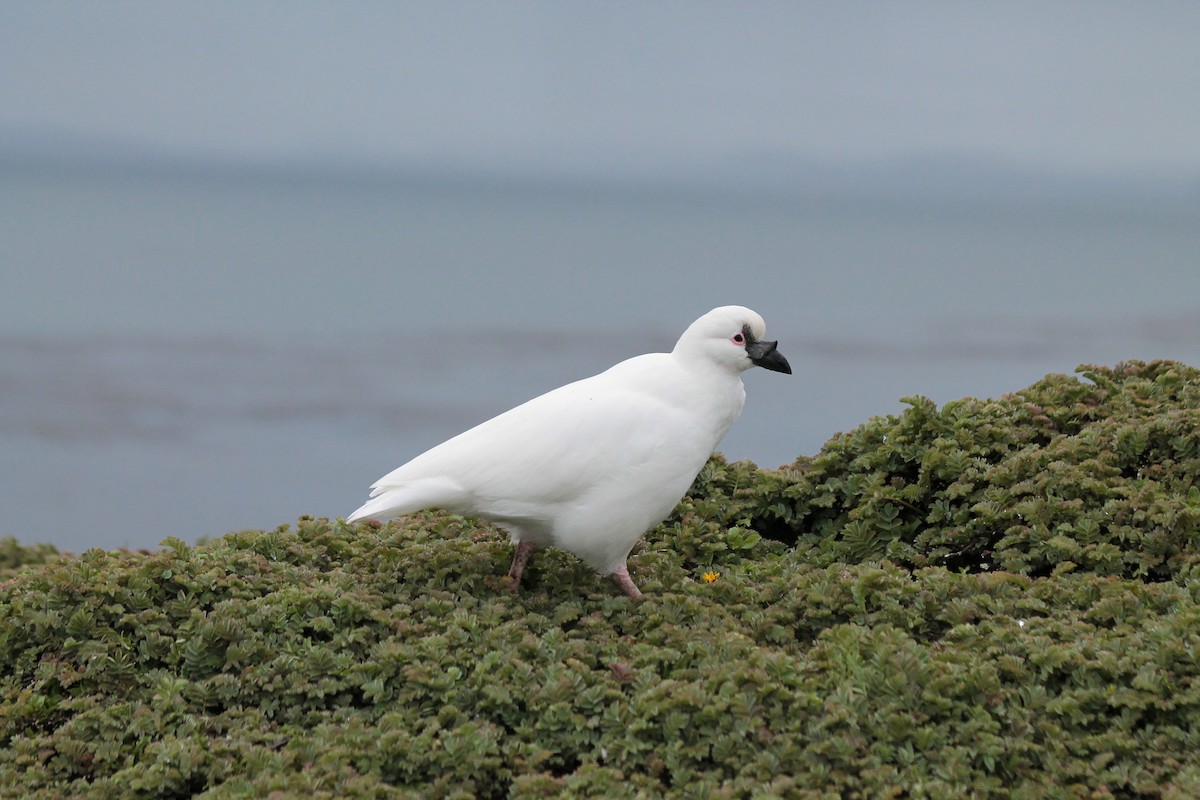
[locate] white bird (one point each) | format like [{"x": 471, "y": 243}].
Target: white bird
[{"x": 591, "y": 466}]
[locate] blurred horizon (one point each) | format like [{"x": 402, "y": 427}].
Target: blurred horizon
[{"x": 920, "y": 175}]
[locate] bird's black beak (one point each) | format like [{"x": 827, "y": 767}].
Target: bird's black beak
[{"x": 764, "y": 355}]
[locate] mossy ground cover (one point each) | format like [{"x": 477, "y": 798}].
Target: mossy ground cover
[{"x": 989, "y": 599}]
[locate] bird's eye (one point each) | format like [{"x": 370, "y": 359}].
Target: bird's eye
[{"x": 738, "y": 338}]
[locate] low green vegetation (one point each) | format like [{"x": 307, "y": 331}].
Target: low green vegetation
[
  {"x": 991, "y": 599},
  {"x": 14, "y": 556}
]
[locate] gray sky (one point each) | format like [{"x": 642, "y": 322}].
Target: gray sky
[{"x": 1103, "y": 86}]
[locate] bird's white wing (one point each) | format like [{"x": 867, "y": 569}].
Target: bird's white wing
[{"x": 548, "y": 451}]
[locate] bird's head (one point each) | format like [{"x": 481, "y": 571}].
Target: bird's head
[{"x": 733, "y": 336}]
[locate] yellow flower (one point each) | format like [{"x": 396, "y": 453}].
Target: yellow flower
[{"x": 711, "y": 577}]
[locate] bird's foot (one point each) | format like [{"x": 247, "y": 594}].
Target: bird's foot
[
  {"x": 622, "y": 579},
  {"x": 520, "y": 559}
]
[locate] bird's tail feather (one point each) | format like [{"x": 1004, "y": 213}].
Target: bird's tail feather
[{"x": 395, "y": 501}]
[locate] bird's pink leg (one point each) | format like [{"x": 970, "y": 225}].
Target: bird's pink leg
[
  {"x": 520, "y": 559},
  {"x": 622, "y": 579}
]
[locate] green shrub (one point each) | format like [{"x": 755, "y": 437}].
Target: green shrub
[
  {"x": 853, "y": 645},
  {"x": 1101, "y": 476},
  {"x": 15, "y": 556}
]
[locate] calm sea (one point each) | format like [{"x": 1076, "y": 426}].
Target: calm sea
[{"x": 184, "y": 354}]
